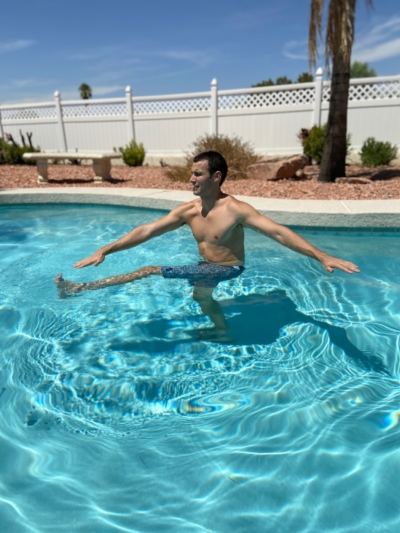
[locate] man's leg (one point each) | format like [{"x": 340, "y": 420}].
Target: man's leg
[
  {"x": 66, "y": 287},
  {"x": 209, "y": 306}
]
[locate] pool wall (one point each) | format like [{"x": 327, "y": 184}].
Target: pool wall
[{"x": 367, "y": 214}]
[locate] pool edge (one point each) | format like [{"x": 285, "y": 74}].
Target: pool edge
[{"x": 325, "y": 213}]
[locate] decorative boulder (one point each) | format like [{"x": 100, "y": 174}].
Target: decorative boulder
[{"x": 273, "y": 169}]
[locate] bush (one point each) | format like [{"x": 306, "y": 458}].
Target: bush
[
  {"x": 374, "y": 153},
  {"x": 11, "y": 154},
  {"x": 238, "y": 154},
  {"x": 313, "y": 142},
  {"x": 133, "y": 154}
]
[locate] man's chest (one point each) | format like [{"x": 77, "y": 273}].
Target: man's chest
[{"x": 212, "y": 228}]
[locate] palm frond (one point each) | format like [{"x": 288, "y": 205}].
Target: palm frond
[
  {"x": 339, "y": 29},
  {"x": 317, "y": 8}
]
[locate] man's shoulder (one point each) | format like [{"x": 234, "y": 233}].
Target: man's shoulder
[
  {"x": 187, "y": 208},
  {"x": 237, "y": 206}
]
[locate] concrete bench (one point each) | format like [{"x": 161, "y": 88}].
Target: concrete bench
[{"x": 101, "y": 162}]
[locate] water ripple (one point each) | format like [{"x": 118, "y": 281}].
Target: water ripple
[{"x": 116, "y": 415}]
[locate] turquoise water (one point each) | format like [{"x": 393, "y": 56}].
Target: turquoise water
[{"x": 116, "y": 417}]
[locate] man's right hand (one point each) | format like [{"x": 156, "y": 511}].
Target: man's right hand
[{"x": 94, "y": 259}]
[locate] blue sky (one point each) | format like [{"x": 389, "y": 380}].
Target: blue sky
[{"x": 175, "y": 46}]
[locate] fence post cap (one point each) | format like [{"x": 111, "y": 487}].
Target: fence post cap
[
  {"x": 319, "y": 71},
  {"x": 128, "y": 89},
  {"x": 214, "y": 82},
  {"x": 57, "y": 94}
]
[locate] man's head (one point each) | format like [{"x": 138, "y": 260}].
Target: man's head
[{"x": 217, "y": 166}]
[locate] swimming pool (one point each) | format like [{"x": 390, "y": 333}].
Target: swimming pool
[{"x": 117, "y": 416}]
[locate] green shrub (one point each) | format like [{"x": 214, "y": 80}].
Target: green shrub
[
  {"x": 133, "y": 154},
  {"x": 238, "y": 154},
  {"x": 313, "y": 142},
  {"x": 11, "y": 154},
  {"x": 374, "y": 153}
]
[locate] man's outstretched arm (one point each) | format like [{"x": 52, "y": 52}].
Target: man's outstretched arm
[
  {"x": 135, "y": 237},
  {"x": 254, "y": 220}
]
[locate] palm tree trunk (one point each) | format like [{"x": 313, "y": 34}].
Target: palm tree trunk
[{"x": 333, "y": 163}]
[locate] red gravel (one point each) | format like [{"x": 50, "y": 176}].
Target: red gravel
[{"x": 25, "y": 176}]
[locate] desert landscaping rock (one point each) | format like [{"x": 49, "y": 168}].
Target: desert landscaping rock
[
  {"x": 25, "y": 176},
  {"x": 301, "y": 175},
  {"x": 361, "y": 181},
  {"x": 277, "y": 169}
]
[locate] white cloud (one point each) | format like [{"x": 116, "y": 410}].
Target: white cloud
[
  {"x": 296, "y": 50},
  {"x": 22, "y": 83},
  {"x": 381, "y": 42},
  {"x": 100, "y": 91},
  {"x": 379, "y": 52},
  {"x": 120, "y": 61},
  {"x": 13, "y": 46},
  {"x": 201, "y": 59},
  {"x": 29, "y": 100}
]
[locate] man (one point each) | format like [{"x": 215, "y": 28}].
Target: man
[{"x": 217, "y": 221}]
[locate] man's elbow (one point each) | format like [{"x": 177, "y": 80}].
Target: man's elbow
[{"x": 278, "y": 234}]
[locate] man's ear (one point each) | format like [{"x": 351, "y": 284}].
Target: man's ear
[{"x": 217, "y": 176}]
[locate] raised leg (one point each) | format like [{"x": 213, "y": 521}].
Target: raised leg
[
  {"x": 42, "y": 170},
  {"x": 66, "y": 287}
]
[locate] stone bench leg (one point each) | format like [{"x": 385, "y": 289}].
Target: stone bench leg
[
  {"x": 42, "y": 170},
  {"x": 102, "y": 169}
]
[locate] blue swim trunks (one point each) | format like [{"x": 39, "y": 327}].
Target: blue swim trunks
[{"x": 203, "y": 274}]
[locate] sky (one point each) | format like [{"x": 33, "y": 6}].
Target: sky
[{"x": 170, "y": 46}]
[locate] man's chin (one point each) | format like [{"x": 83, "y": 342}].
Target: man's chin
[{"x": 196, "y": 192}]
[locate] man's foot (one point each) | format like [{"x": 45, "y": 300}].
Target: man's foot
[
  {"x": 215, "y": 335},
  {"x": 65, "y": 288}
]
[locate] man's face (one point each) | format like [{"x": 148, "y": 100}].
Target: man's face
[{"x": 201, "y": 181}]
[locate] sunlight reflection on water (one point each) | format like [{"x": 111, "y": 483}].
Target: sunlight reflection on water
[{"x": 115, "y": 414}]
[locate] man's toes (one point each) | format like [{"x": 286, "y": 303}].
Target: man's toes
[{"x": 58, "y": 278}]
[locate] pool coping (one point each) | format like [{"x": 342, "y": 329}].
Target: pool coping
[{"x": 321, "y": 213}]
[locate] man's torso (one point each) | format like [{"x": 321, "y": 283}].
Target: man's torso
[{"x": 219, "y": 234}]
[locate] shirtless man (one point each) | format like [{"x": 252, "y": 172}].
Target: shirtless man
[{"x": 217, "y": 221}]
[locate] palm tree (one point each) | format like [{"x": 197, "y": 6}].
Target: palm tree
[
  {"x": 338, "y": 44},
  {"x": 85, "y": 90}
]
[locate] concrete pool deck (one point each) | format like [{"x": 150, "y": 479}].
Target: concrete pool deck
[{"x": 322, "y": 213}]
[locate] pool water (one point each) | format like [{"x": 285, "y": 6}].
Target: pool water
[{"x": 117, "y": 415}]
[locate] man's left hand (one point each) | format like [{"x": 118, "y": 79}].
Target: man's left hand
[{"x": 330, "y": 263}]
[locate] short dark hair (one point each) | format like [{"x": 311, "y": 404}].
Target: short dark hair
[{"x": 215, "y": 162}]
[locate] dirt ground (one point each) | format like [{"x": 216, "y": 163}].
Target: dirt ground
[{"x": 385, "y": 182}]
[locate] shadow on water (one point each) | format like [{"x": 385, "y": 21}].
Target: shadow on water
[
  {"x": 12, "y": 234},
  {"x": 253, "y": 320}
]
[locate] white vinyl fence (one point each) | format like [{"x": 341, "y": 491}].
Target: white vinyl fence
[{"x": 269, "y": 118}]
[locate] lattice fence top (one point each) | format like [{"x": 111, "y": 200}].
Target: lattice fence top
[
  {"x": 375, "y": 91},
  {"x": 360, "y": 90},
  {"x": 367, "y": 91},
  {"x": 180, "y": 105},
  {"x": 326, "y": 93},
  {"x": 113, "y": 109},
  {"x": 40, "y": 113},
  {"x": 267, "y": 99}
]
